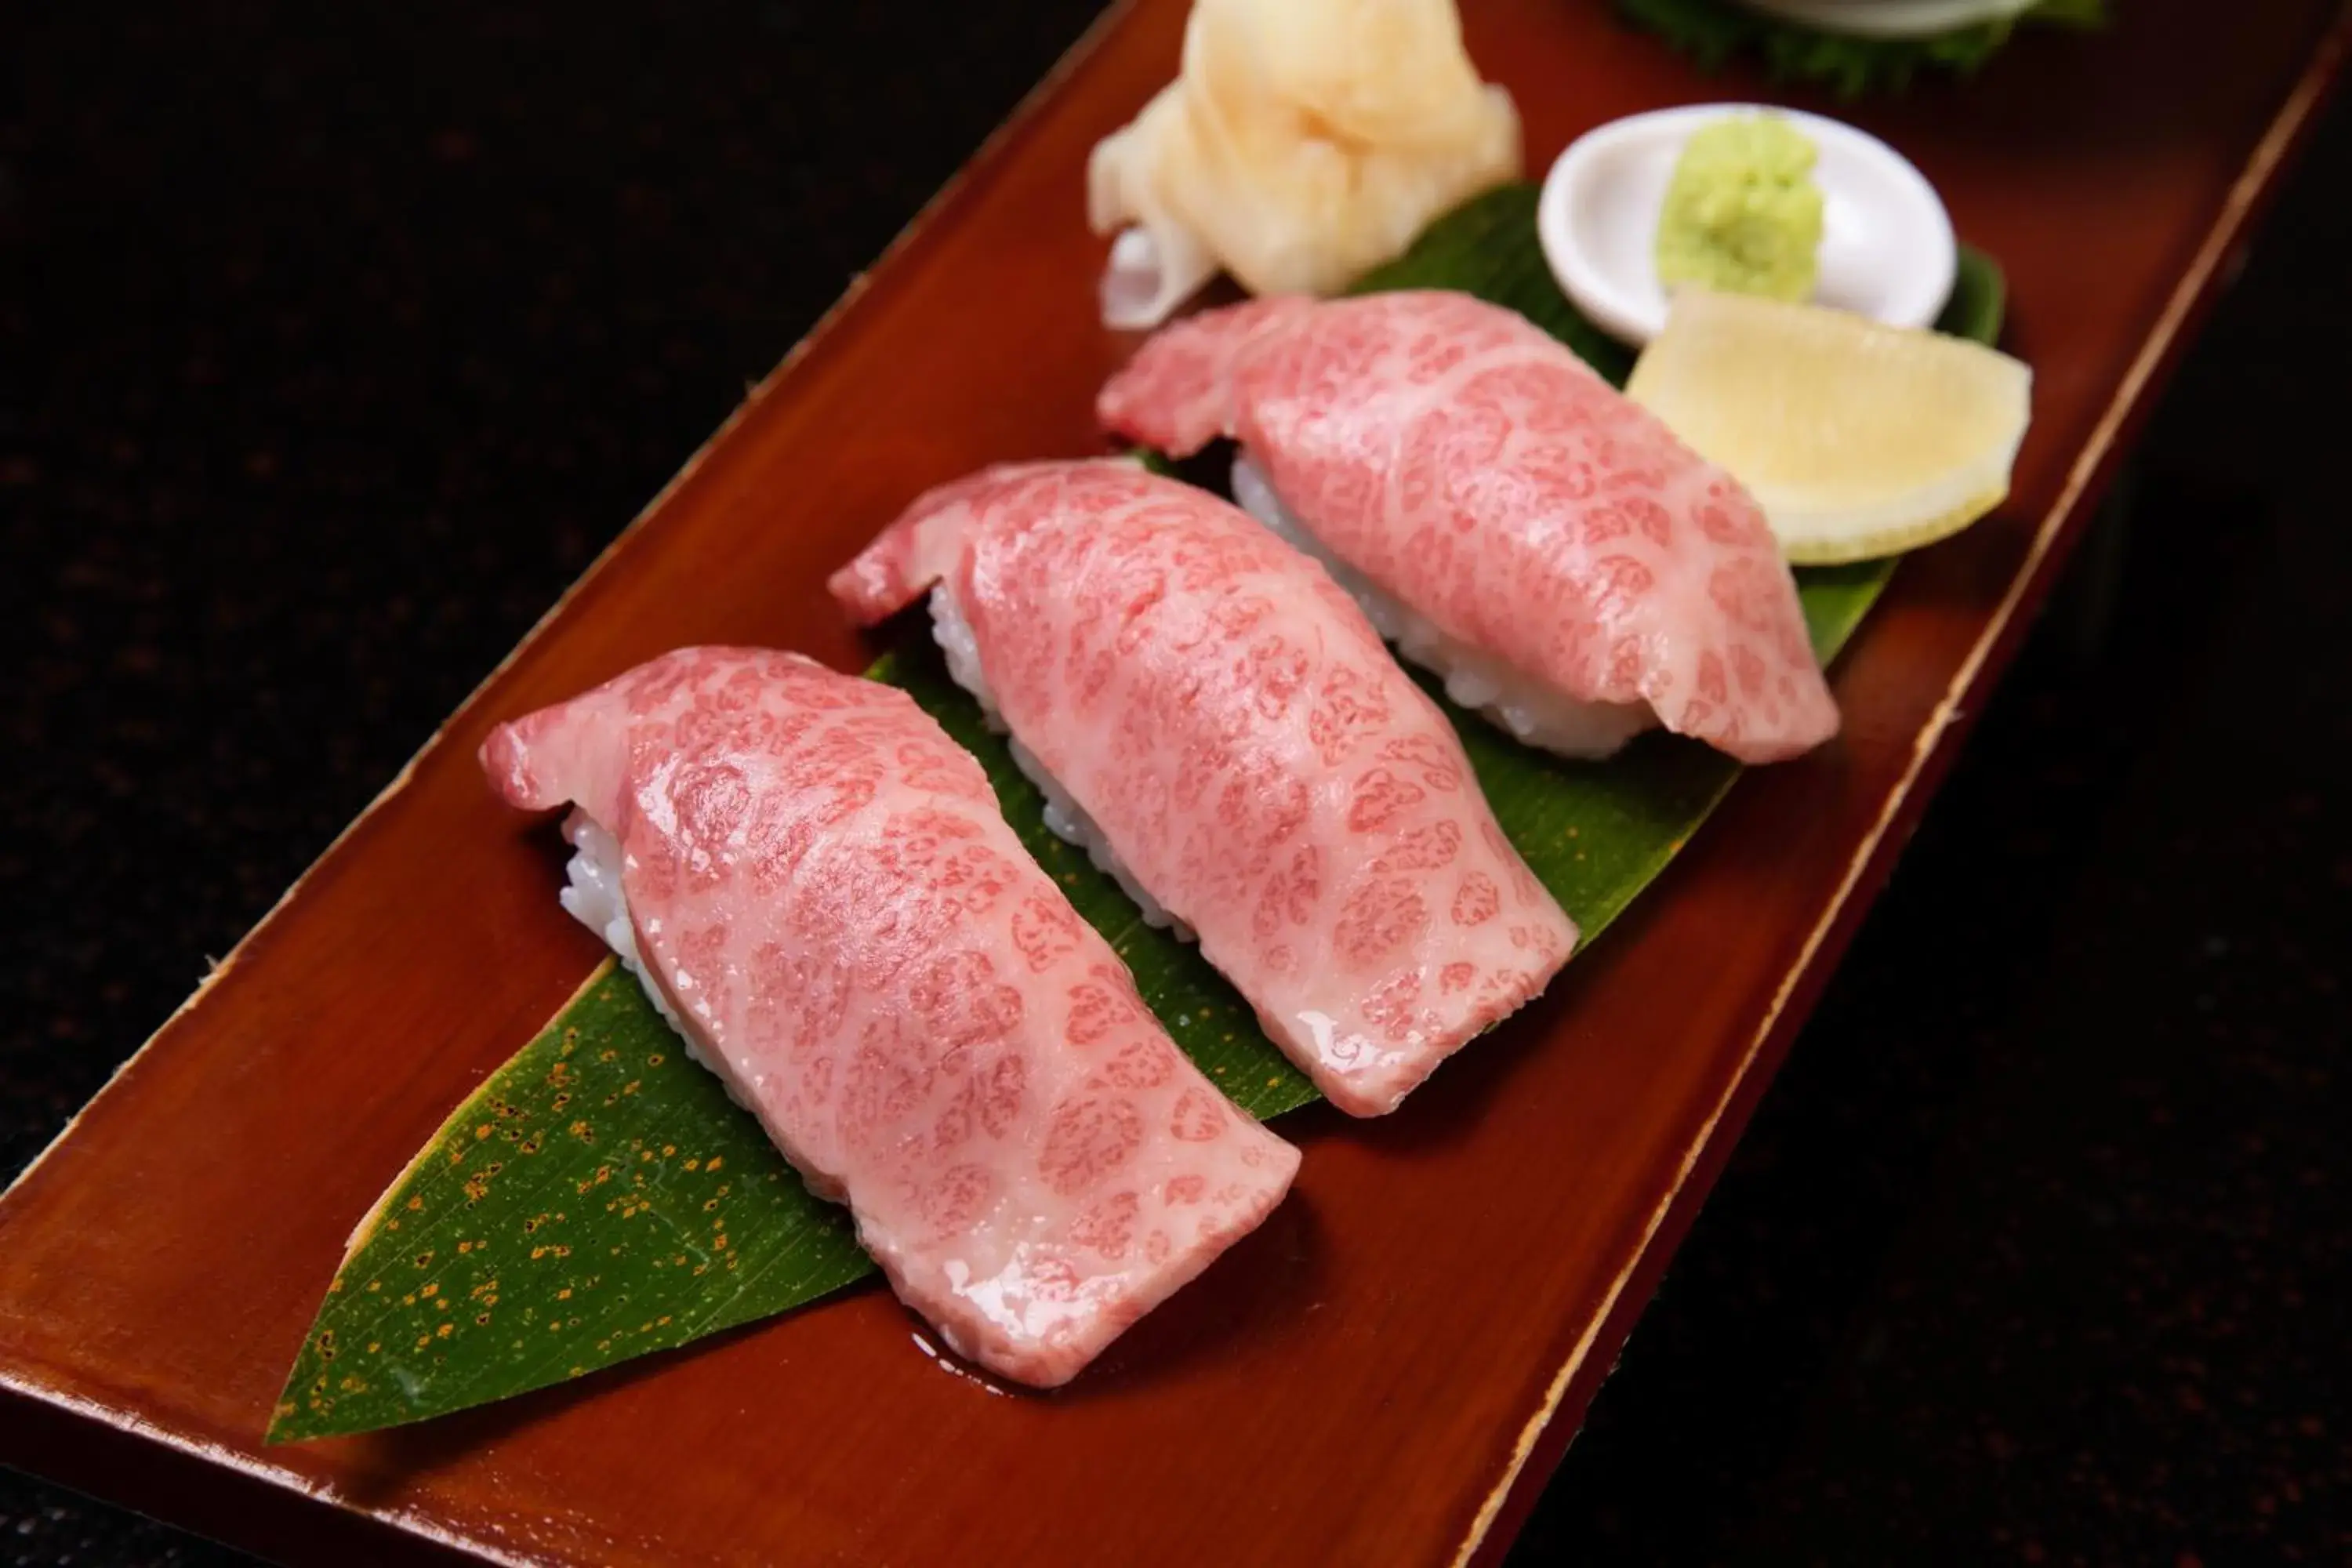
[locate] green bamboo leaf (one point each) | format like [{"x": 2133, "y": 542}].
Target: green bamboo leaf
[
  {"x": 598, "y": 1198},
  {"x": 570, "y": 1214}
]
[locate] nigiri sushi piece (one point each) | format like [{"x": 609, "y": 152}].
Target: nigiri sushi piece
[
  {"x": 1304, "y": 142},
  {"x": 1510, "y": 519},
  {"x": 817, "y": 888},
  {"x": 1228, "y": 735}
]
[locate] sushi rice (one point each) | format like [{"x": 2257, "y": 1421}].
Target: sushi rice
[
  {"x": 1530, "y": 710},
  {"x": 595, "y": 899},
  {"x": 1065, "y": 818}
]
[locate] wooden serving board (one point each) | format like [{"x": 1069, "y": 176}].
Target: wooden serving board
[{"x": 1388, "y": 1370}]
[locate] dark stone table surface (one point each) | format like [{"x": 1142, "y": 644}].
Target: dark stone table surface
[{"x": 334, "y": 341}]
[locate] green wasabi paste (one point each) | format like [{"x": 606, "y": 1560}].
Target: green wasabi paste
[{"x": 1742, "y": 212}]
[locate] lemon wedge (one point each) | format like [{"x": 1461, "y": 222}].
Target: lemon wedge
[{"x": 1857, "y": 440}]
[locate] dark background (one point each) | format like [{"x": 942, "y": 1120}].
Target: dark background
[{"x": 334, "y": 343}]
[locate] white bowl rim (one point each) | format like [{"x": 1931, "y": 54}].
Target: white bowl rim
[
  {"x": 1891, "y": 18},
  {"x": 1626, "y": 316}
]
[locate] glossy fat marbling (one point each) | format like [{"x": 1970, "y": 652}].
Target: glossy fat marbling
[
  {"x": 1230, "y": 722},
  {"x": 1480, "y": 474},
  {"x": 849, "y": 934}
]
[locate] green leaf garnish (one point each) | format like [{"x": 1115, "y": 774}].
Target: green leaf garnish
[
  {"x": 598, "y": 1198},
  {"x": 1711, "y": 31}
]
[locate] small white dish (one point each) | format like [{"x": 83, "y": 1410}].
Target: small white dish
[
  {"x": 1887, "y": 252},
  {"x": 1891, "y": 18}
]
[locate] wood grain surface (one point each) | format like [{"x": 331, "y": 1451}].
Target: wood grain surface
[{"x": 1389, "y": 1368}]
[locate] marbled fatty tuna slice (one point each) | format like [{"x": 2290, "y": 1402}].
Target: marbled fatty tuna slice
[
  {"x": 822, "y": 884},
  {"x": 1480, "y": 474},
  {"x": 1237, "y": 731}
]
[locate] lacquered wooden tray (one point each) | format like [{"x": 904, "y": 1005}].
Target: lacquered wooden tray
[{"x": 1389, "y": 1368}]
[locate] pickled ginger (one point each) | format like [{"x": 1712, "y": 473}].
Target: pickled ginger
[{"x": 1304, "y": 142}]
